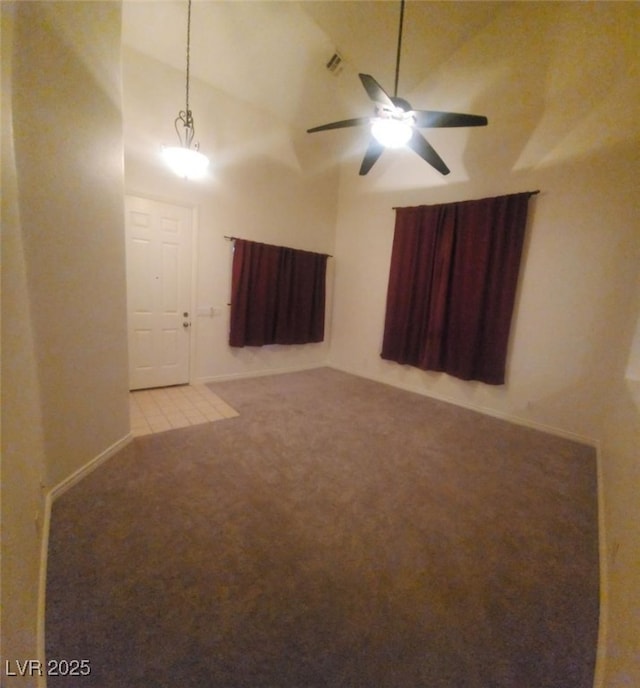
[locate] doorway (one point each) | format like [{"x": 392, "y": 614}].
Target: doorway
[{"x": 159, "y": 261}]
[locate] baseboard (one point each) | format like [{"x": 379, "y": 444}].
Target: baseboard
[
  {"x": 603, "y": 619},
  {"x": 510, "y": 418},
  {"x": 89, "y": 467},
  {"x": 49, "y": 497},
  {"x": 534, "y": 425},
  {"x": 42, "y": 588},
  {"x": 259, "y": 373}
]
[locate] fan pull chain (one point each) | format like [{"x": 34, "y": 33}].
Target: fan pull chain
[{"x": 395, "y": 87}]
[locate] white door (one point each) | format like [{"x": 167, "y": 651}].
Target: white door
[{"x": 158, "y": 237}]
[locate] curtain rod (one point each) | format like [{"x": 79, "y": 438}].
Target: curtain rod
[
  {"x": 232, "y": 238},
  {"x": 531, "y": 193}
]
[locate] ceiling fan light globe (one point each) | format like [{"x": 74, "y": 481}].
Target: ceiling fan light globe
[
  {"x": 186, "y": 162},
  {"x": 391, "y": 133}
]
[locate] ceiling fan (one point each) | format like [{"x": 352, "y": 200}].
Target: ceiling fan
[{"x": 396, "y": 123}]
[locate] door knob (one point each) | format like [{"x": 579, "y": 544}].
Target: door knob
[{"x": 186, "y": 324}]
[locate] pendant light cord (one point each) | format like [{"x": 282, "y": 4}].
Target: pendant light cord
[
  {"x": 188, "y": 52},
  {"x": 395, "y": 88}
]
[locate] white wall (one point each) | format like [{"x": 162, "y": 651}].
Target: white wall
[
  {"x": 64, "y": 337},
  {"x": 69, "y": 159},
  {"x": 620, "y": 487},
  {"x": 264, "y": 184},
  {"x": 23, "y": 457},
  {"x": 556, "y": 82},
  {"x": 620, "y": 460}
]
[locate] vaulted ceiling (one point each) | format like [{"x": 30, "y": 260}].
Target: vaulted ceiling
[
  {"x": 555, "y": 79},
  {"x": 273, "y": 54}
]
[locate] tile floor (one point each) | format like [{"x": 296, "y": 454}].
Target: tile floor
[{"x": 166, "y": 408}]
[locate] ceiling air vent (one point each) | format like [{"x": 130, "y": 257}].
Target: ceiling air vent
[{"x": 335, "y": 64}]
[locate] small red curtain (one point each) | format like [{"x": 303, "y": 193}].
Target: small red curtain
[
  {"x": 277, "y": 295},
  {"x": 452, "y": 286}
]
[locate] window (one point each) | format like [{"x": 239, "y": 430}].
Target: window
[
  {"x": 277, "y": 295},
  {"x": 452, "y": 285}
]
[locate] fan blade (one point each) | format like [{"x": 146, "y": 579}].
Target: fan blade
[
  {"x": 339, "y": 125},
  {"x": 424, "y": 149},
  {"x": 375, "y": 91},
  {"x": 374, "y": 151},
  {"x": 432, "y": 118}
]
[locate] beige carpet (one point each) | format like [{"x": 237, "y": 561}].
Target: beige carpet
[{"x": 338, "y": 532}]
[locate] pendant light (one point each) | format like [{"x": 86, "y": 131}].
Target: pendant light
[{"x": 186, "y": 160}]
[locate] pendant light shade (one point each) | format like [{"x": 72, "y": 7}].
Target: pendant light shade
[{"x": 186, "y": 160}]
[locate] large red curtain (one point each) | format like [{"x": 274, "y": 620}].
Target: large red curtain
[
  {"x": 277, "y": 295},
  {"x": 452, "y": 286}
]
